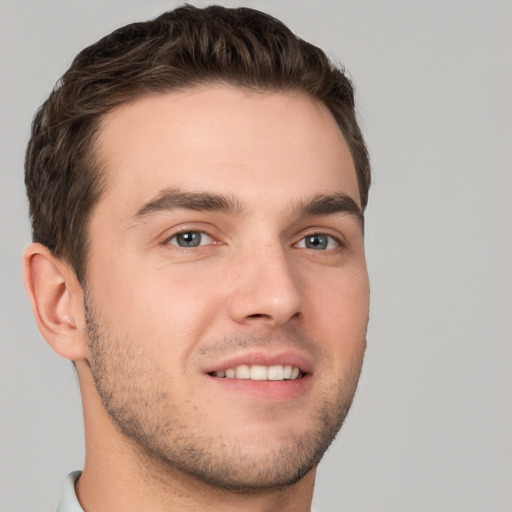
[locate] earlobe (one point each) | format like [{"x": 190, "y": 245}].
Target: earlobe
[{"x": 57, "y": 301}]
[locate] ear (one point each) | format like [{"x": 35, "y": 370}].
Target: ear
[{"x": 57, "y": 301}]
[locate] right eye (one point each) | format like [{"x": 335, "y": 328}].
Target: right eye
[{"x": 189, "y": 239}]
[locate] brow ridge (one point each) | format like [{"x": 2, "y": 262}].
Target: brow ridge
[
  {"x": 171, "y": 198},
  {"x": 174, "y": 198},
  {"x": 330, "y": 204}
]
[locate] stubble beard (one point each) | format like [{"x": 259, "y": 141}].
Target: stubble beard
[{"x": 176, "y": 441}]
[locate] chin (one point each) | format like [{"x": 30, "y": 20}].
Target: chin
[{"x": 240, "y": 467}]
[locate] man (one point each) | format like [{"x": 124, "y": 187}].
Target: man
[{"x": 197, "y": 186}]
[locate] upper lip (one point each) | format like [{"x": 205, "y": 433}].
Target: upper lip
[{"x": 262, "y": 357}]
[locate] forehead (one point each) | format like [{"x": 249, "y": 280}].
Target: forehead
[{"x": 259, "y": 145}]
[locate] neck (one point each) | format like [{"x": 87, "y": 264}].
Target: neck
[{"x": 119, "y": 476}]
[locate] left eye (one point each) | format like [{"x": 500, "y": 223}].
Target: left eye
[
  {"x": 318, "y": 242},
  {"x": 190, "y": 239}
]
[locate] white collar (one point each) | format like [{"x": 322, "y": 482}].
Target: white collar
[{"x": 69, "y": 501}]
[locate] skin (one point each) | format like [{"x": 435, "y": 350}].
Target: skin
[{"x": 156, "y": 319}]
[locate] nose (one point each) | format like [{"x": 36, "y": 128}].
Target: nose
[{"x": 266, "y": 289}]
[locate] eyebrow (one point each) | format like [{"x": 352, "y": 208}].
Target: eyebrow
[
  {"x": 171, "y": 199},
  {"x": 330, "y": 204}
]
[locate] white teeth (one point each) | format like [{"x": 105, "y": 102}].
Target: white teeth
[
  {"x": 243, "y": 371},
  {"x": 260, "y": 372},
  {"x": 275, "y": 373}
]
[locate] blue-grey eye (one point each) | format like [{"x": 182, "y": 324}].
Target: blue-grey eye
[
  {"x": 189, "y": 239},
  {"x": 318, "y": 242}
]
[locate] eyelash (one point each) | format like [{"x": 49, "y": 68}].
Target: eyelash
[
  {"x": 330, "y": 240},
  {"x": 202, "y": 234}
]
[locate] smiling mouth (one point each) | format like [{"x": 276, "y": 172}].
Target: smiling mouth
[{"x": 260, "y": 372}]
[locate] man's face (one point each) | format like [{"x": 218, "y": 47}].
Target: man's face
[{"x": 227, "y": 243}]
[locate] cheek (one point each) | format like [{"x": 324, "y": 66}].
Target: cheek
[
  {"x": 169, "y": 307},
  {"x": 339, "y": 313}
]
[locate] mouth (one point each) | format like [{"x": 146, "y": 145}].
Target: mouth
[
  {"x": 260, "y": 372},
  {"x": 273, "y": 375}
]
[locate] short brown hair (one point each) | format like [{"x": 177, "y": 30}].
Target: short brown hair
[{"x": 181, "y": 48}]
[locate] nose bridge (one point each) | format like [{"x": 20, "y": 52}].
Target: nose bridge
[{"x": 267, "y": 288}]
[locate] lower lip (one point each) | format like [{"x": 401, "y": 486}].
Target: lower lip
[{"x": 266, "y": 389}]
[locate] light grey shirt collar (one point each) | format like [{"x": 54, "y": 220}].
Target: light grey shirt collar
[{"x": 69, "y": 501}]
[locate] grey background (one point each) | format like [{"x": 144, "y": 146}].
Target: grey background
[{"x": 431, "y": 426}]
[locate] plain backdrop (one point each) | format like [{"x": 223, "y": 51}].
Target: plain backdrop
[{"x": 431, "y": 426}]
